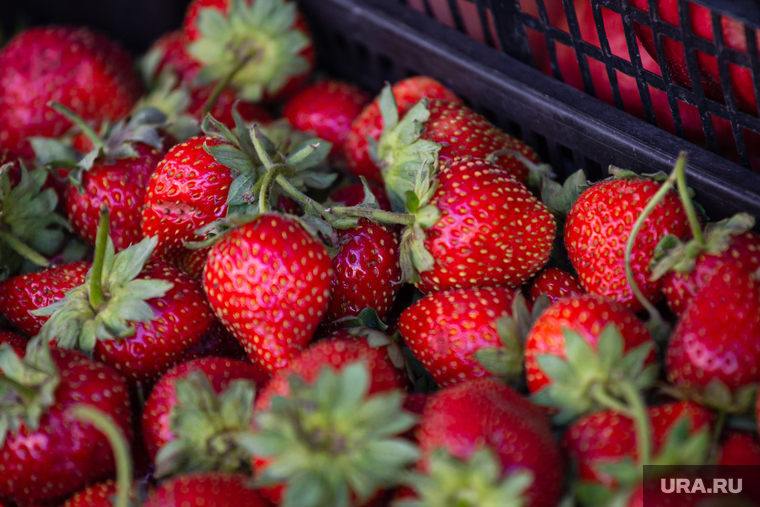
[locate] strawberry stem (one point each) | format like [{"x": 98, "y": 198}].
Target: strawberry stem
[
  {"x": 70, "y": 115},
  {"x": 106, "y": 425},
  {"x": 536, "y": 172},
  {"x": 260, "y": 151},
  {"x": 273, "y": 174},
  {"x": 23, "y": 249},
  {"x": 638, "y": 412},
  {"x": 222, "y": 84},
  {"x": 377, "y": 214},
  {"x": 101, "y": 242},
  {"x": 688, "y": 205},
  {"x": 603, "y": 398}
]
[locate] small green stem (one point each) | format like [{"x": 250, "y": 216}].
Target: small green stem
[
  {"x": 640, "y": 416},
  {"x": 260, "y": 151},
  {"x": 379, "y": 215},
  {"x": 70, "y": 115},
  {"x": 719, "y": 423},
  {"x": 303, "y": 199},
  {"x": 221, "y": 85},
  {"x": 27, "y": 393},
  {"x": 115, "y": 436},
  {"x": 267, "y": 181},
  {"x": 683, "y": 192},
  {"x": 101, "y": 242},
  {"x": 23, "y": 249},
  {"x": 603, "y": 398}
]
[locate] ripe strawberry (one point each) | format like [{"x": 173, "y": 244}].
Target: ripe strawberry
[
  {"x": 608, "y": 438},
  {"x": 267, "y": 51},
  {"x": 268, "y": 282},
  {"x": 599, "y": 225},
  {"x": 21, "y": 295},
  {"x": 450, "y": 331},
  {"x": 77, "y": 67},
  {"x": 97, "y": 495},
  {"x": 370, "y": 122},
  {"x": 740, "y": 448},
  {"x": 353, "y": 195},
  {"x": 327, "y": 109},
  {"x": 601, "y": 342},
  {"x": 469, "y": 417},
  {"x": 147, "y": 312},
  {"x": 207, "y": 489},
  {"x": 164, "y": 398},
  {"x": 69, "y": 454},
  {"x": 556, "y": 284},
  {"x": 475, "y": 227},
  {"x": 714, "y": 351},
  {"x": 366, "y": 272}
]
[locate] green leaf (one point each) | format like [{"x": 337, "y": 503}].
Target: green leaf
[
  {"x": 231, "y": 157},
  {"x": 579, "y": 354},
  {"x": 310, "y": 153},
  {"x": 388, "y": 108},
  {"x": 610, "y": 348},
  {"x": 129, "y": 262},
  {"x": 499, "y": 361},
  {"x": 555, "y": 368}
]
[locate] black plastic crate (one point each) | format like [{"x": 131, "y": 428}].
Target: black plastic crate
[{"x": 373, "y": 41}]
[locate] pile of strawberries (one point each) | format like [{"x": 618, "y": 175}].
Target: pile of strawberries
[{"x": 227, "y": 284}]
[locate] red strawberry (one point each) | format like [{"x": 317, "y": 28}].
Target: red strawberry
[
  {"x": 77, "y": 67},
  {"x": 449, "y": 331},
  {"x": 98, "y": 495},
  {"x": 147, "y": 313},
  {"x": 20, "y": 295},
  {"x": 17, "y": 342},
  {"x": 480, "y": 228},
  {"x": 370, "y": 122},
  {"x": 49, "y": 456},
  {"x": 273, "y": 45},
  {"x": 268, "y": 281},
  {"x": 208, "y": 489},
  {"x": 192, "y": 262},
  {"x": 366, "y": 272},
  {"x": 599, "y": 225},
  {"x": 468, "y": 417},
  {"x": 336, "y": 351},
  {"x": 164, "y": 399},
  {"x": 607, "y": 438},
  {"x": 714, "y": 351},
  {"x": 327, "y": 109},
  {"x": 353, "y": 195},
  {"x": 556, "y": 284},
  {"x": 740, "y": 448}
]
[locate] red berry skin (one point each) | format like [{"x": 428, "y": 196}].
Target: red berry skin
[
  {"x": 268, "y": 282},
  {"x": 327, "y": 109},
  {"x": 445, "y": 329},
  {"x": 492, "y": 230},
  {"x": 680, "y": 288},
  {"x": 98, "y": 495},
  {"x": 22, "y": 294},
  {"x": 79, "y": 68},
  {"x": 606, "y": 437},
  {"x": 187, "y": 191},
  {"x": 740, "y": 448},
  {"x": 208, "y": 490},
  {"x": 370, "y": 122},
  {"x": 718, "y": 336},
  {"x": 366, "y": 271},
  {"x": 556, "y": 284},
  {"x": 487, "y": 412},
  {"x": 353, "y": 195},
  {"x": 62, "y": 456},
  {"x": 588, "y": 315},
  {"x": 118, "y": 184},
  {"x": 598, "y": 227},
  {"x": 17, "y": 342},
  {"x": 182, "y": 317},
  {"x": 156, "y": 430}
]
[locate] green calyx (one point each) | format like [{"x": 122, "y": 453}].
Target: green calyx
[
  {"x": 30, "y": 228},
  {"x": 717, "y": 395},
  {"x": 106, "y": 306},
  {"x": 172, "y": 99},
  {"x": 477, "y": 482},
  {"x": 207, "y": 427},
  {"x": 559, "y": 198},
  {"x": 507, "y": 361},
  {"x": 256, "y": 46},
  {"x": 331, "y": 442},
  {"x": 403, "y": 156},
  {"x": 27, "y": 387},
  {"x": 589, "y": 379}
]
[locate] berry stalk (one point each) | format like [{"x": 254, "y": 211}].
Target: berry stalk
[{"x": 101, "y": 243}]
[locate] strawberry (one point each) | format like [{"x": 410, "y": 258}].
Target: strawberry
[
  {"x": 70, "y": 454},
  {"x": 77, "y": 67},
  {"x": 740, "y": 448},
  {"x": 136, "y": 314},
  {"x": 369, "y": 123},
  {"x": 556, "y": 284},
  {"x": 266, "y": 53},
  {"x": 207, "y": 489},
  {"x": 326, "y": 109},
  {"x": 599, "y": 225},
  {"x": 339, "y": 444},
  {"x": 30, "y": 228},
  {"x": 268, "y": 282},
  {"x": 714, "y": 349},
  {"x": 605, "y": 438},
  {"x": 584, "y": 345},
  {"x": 21, "y": 295},
  {"x": 487, "y": 415},
  {"x": 174, "y": 399},
  {"x": 353, "y": 195},
  {"x": 97, "y": 495},
  {"x": 451, "y": 332},
  {"x": 366, "y": 272}
]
